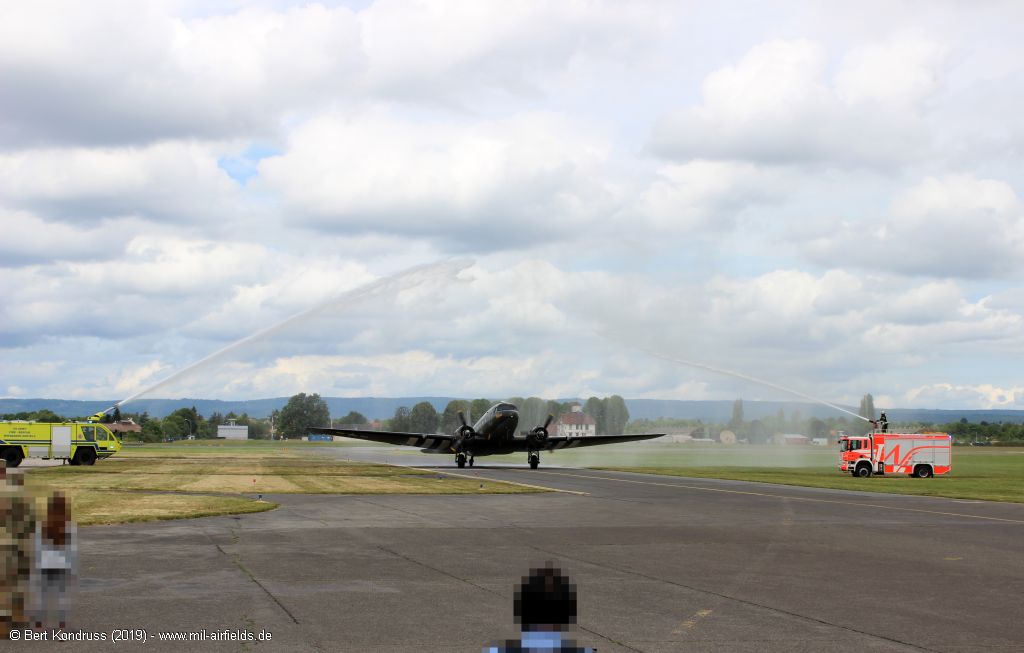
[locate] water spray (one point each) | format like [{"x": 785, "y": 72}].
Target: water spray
[
  {"x": 754, "y": 379},
  {"x": 405, "y": 279},
  {"x": 740, "y": 375}
]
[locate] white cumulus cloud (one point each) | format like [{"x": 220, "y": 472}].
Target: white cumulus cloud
[
  {"x": 780, "y": 104},
  {"x": 956, "y": 225},
  {"x": 493, "y": 184}
]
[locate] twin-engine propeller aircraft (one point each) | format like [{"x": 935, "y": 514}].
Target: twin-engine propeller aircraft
[{"x": 494, "y": 433}]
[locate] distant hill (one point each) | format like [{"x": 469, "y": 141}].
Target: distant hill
[
  {"x": 372, "y": 407},
  {"x": 384, "y": 407}
]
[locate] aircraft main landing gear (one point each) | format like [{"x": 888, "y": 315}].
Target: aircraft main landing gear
[
  {"x": 460, "y": 460},
  {"x": 470, "y": 460},
  {"x": 534, "y": 458}
]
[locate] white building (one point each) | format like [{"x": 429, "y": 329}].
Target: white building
[
  {"x": 575, "y": 423},
  {"x": 232, "y": 431}
]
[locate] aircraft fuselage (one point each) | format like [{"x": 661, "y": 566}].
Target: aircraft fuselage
[{"x": 494, "y": 431}]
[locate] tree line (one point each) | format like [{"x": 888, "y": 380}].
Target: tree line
[
  {"x": 188, "y": 422},
  {"x": 303, "y": 411},
  {"x": 180, "y": 424},
  {"x": 610, "y": 413},
  {"x": 762, "y": 430}
]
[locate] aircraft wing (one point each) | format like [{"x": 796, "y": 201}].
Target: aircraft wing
[
  {"x": 556, "y": 442},
  {"x": 437, "y": 441}
]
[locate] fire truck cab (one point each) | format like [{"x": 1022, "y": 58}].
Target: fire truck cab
[{"x": 921, "y": 455}]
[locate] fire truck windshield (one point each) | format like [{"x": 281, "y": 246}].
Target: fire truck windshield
[{"x": 844, "y": 445}]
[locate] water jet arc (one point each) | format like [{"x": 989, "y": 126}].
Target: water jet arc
[{"x": 401, "y": 280}]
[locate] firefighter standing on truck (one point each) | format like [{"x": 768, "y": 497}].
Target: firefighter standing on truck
[{"x": 883, "y": 423}]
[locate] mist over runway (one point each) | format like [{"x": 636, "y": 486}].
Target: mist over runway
[{"x": 661, "y": 564}]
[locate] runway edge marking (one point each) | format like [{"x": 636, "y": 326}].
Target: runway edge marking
[
  {"x": 496, "y": 480},
  {"x": 785, "y": 496}
]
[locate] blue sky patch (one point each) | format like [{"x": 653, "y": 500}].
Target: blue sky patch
[{"x": 243, "y": 167}]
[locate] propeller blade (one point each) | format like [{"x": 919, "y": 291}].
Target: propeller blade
[
  {"x": 548, "y": 421},
  {"x": 465, "y": 431}
]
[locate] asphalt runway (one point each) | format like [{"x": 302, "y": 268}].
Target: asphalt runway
[{"x": 661, "y": 564}]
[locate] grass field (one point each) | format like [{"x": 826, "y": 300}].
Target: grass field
[
  {"x": 182, "y": 480},
  {"x": 203, "y": 478},
  {"x": 993, "y": 474}
]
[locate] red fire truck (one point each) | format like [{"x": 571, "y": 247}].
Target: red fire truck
[{"x": 917, "y": 454}]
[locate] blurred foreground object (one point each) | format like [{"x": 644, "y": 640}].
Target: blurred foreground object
[
  {"x": 545, "y": 607},
  {"x": 17, "y": 523},
  {"x": 56, "y": 563}
]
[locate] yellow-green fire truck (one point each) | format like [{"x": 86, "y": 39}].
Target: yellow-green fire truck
[{"x": 78, "y": 442}]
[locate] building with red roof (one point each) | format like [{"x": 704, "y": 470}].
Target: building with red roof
[{"x": 575, "y": 423}]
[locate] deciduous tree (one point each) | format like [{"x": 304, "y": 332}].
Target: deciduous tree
[
  {"x": 478, "y": 407},
  {"x": 758, "y": 433},
  {"x": 867, "y": 407},
  {"x": 400, "y": 420},
  {"x": 354, "y": 417},
  {"x": 302, "y": 412},
  {"x": 595, "y": 408},
  {"x": 616, "y": 415},
  {"x": 450, "y": 416},
  {"x": 736, "y": 423},
  {"x": 46, "y": 415},
  {"x": 423, "y": 418},
  {"x": 532, "y": 413},
  {"x": 152, "y": 431}
]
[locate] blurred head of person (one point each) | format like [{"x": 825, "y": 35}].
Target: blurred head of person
[
  {"x": 546, "y": 600},
  {"x": 55, "y": 528}
]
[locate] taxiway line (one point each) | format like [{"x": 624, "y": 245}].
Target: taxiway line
[
  {"x": 496, "y": 480},
  {"x": 786, "y": 496}
]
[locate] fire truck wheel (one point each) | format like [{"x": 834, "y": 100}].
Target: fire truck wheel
[
  {"x": 863, "y": 471},
  {"x": 923, "y": 471},
  {"x": 12, "y": 456},
  {"x": 84, "y": 457}
]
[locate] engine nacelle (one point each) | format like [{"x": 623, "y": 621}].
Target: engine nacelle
[
  {"x": 463, "y": 436},
  {"x": 537, "y": 437}
]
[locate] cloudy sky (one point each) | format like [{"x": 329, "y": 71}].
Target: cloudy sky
[{"x": 825, "y": 195}]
